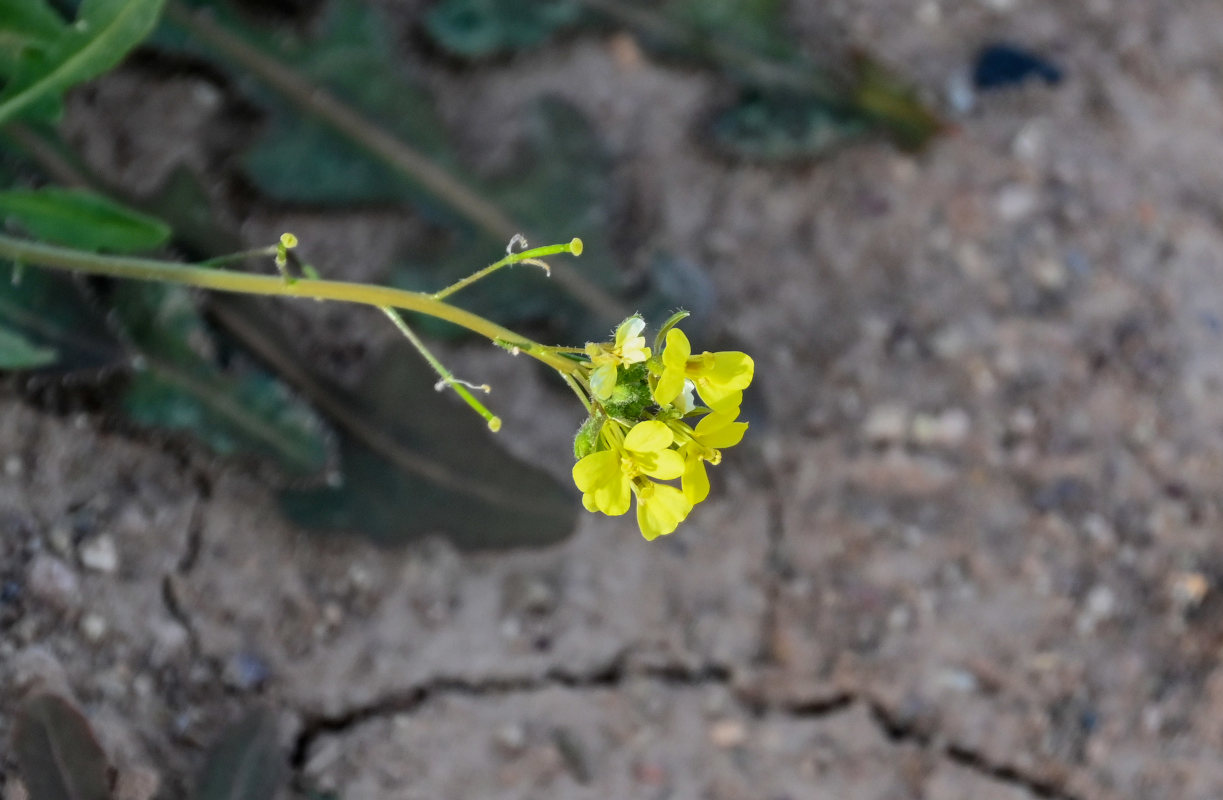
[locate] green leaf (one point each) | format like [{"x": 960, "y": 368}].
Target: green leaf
[
  {"x": 892, "y": 104},
  {"x": 433, "y": 468},
  {"x": 241, "y": 411},
  {"x": 302, "y": 160},
  {"x": 30, "y": 20},
  {"x": 478, "y": 28},
  {"x": 246, "y": 763},
  {"x": 18, "y": 352},
  {"x": 561, "y": 187},
  {"x": 48, "y": 309},
  {"x": 706, "y": 28},
  {"x": 792, "y": 108},
  {"x": 82, "y": 219},
  {"x": 25, "y": 25},
  {"x": 780, "y": 126},
  {"x": 57, "y": 753},
  {"x": 104, "y": 32}
]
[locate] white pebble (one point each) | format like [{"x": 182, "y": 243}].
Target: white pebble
[
  {"x": 100, "y": 554},
  {"x": 93, "y": 627},
  {"x": 886, "y": 423},
  {"x": 1014, "y": 202}
]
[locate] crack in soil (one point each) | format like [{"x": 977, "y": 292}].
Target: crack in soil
[
  {"x": 612, "y": 675},
  {"x": 774, "y": 564},
  {"x": 186, "y": 563},
  {"x": 615, "y": 674},
  {"x": 898, "y": 730}
]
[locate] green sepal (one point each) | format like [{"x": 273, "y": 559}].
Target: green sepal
[{"x": 587, "y": 439}]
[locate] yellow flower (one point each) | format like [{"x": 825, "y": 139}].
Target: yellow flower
[
  {"x": 719, "y": 378},
  {"x": 660, "y": 509},
  {"x": 628, "y": 348},
  {"x": 608, "y": 478},
  {"x": 713, "y": 433}
]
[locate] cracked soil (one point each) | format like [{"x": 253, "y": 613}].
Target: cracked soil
[{"x": 973, "y": 548}]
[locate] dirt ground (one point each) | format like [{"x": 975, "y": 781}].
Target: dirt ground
[{"x": 972, "y": 549}]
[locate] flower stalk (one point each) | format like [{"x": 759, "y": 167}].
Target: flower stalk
[{"x": 644, "y": 429}]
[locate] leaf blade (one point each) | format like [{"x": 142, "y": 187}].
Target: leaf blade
[
  {"x": 18, "y": 352},
  {"x": 180, "y": 387},
  {"x": 245, "y": 763},
  {"x": 57, "y": 753},
  {"x": 82, "y": 219},
  {"x": 80, "y": 53}
]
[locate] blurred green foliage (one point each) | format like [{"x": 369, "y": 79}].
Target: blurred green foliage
[
  {"x": 246, "y": 762},
  {"x": 788, "y": 107},
  {"x": 43, "y": 56}
]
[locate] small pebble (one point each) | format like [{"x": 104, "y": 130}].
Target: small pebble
[
  {"x": 511, "y": 739},
  {"x": 957, "y": 680},
  {"x": 53, "y": 582},
  {"x": 60, "y": 538},
  {"x": 538, "y": 597},
  {"x": 1050, "y": 274},
  {"x": 93, "y": 627},
  {"x": 947, "y": 429},
  {"x": 961, "y": 97},
  {"x": 137, "y": 783},
  {"x": 886, "y": 424},
  {"x": 246, "y": 670},
  {"x": 333, "y": 615},
  {"x": 728, "y": 733},
  {"x": 1014, "y": 202},
  {"x": 1188, "y": 589},
  {"x": 100, "y": 554}
]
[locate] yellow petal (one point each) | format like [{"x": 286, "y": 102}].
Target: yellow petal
[
  {"x": 717, "y": 397},
  {"x": 677, "y": 351},
  {"x": 629, "y": 330},
  {"x": 695, "y": 481},
  {"x": 730, "y": 369},
  {"x": 669, "y": 386},
  {"x": 603, "y": 381},
  {"x": 597, "y": 469},
  {"x": 614, "y": 500},
  {"x": 664, "y": 465},
  {"x": 601, "y": 480},
  {"x": 720, "y": 429},
  {"x": 661, "y": 511},
  {"x": 635, "y": 352},
  {"x": 648, "y": 437}
]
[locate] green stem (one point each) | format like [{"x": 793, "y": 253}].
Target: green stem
[
  {"x": 494, "y": 422},
  {"x": 573, "y": 384},
  {"x": 533, "y": 254},
  {"x": 223, "y": 281}
]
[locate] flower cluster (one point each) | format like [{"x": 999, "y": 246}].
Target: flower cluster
[{"x": 645, "y": 424}]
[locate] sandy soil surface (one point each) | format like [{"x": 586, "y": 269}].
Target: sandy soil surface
[{"x": 974, "y": 548}]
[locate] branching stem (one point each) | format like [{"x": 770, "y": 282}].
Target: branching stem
[{"x": 27, "y": 252}]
